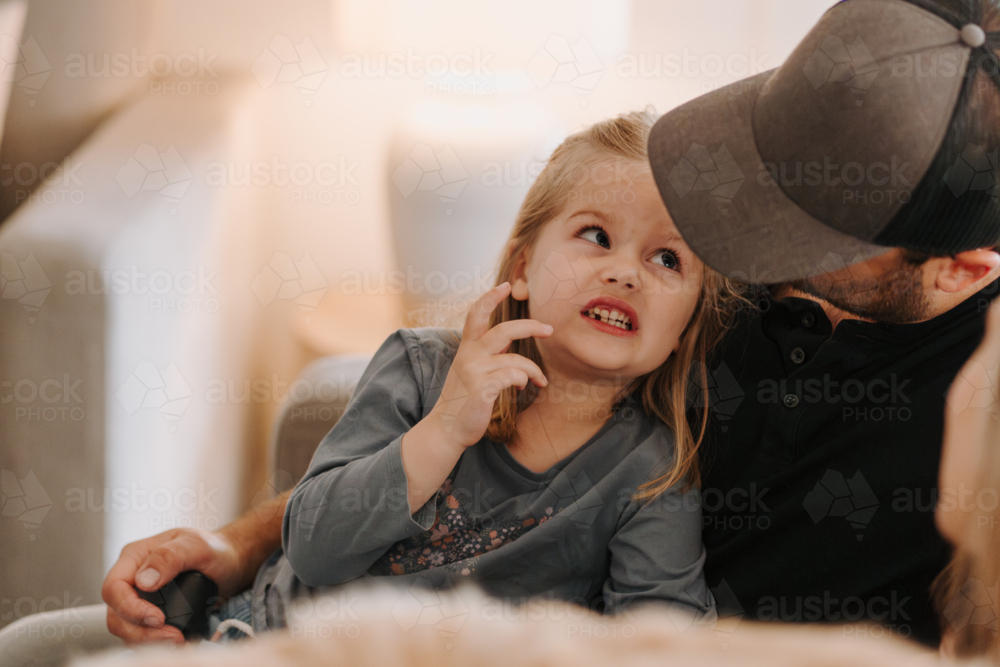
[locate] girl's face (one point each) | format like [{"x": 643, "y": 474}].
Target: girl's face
[
  {"x": 612, "y": 251},
  {"x": 970, "y": 426}
]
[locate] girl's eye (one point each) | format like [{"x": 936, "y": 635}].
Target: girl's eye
[
  {"x": 595, "y": 235},
  {"x": 669, "y": 258}
]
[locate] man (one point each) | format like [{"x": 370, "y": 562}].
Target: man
[
  {"x": 854, "y": 188},
  {"x": 820, "y": 476}
]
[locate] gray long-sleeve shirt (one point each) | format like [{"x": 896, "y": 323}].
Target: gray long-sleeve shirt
[{"x": 573, "y": 532}]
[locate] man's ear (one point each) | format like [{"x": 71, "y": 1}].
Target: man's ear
[{"x": 962, "y": 271}]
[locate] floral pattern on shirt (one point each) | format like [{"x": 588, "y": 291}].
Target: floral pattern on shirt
[{"x": 456, "y": 539}]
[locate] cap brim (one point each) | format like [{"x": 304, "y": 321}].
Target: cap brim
[{"x": 720, "y": 195}]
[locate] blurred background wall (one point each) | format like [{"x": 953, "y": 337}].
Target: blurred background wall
[{"x": 199, "y": 197}]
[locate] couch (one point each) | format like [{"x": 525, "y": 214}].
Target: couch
[{"x": 51, "y": 639}]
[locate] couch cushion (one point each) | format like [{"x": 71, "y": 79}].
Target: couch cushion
[{"x": 327, "y": 384}]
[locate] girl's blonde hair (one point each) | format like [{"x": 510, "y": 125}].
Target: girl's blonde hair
[{"x": 663, "y": 393}]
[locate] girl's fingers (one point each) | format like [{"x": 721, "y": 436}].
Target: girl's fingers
[
  {"x": 499, "y": 380},
  {"x": 529, "y": 367},
  {"x": 499, "y": 338},
  {"x": 477, "y": 322}
]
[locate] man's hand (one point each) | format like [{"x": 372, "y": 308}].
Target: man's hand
[
  {"x": 229, "y": 557},
  {"x": 150, "y": 564}
]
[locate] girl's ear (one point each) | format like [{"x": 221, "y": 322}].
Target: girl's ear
[{"x": 518, "y": 279}]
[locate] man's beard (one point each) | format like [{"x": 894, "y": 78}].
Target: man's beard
[{"x": 898, "y": 298}]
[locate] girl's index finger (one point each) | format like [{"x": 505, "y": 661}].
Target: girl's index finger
[
  {"x": 478, "y": 321},
  {"x": 499, "y": 338}
]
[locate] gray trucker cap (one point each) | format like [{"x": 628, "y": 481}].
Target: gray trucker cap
[{"x": 821, "y": 162}]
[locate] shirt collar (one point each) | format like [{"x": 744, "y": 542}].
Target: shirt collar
[{"x": 971, "y": 307}]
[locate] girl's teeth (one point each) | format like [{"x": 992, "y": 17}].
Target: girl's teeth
[{"x": 613, "y": 318}]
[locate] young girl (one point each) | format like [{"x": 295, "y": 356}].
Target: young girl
[{"x": 546, "y": 450}]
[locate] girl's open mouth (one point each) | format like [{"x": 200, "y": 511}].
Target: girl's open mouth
[
  {"x": 609, "y": 321},
  {"x": 613, "y": 317}
]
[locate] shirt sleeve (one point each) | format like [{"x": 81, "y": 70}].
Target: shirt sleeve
[
  {"x": 352, "y": 505},
  {"x": 657, "y": 556}
]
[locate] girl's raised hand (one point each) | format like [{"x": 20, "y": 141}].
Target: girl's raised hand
[{"x": 481, "y": 369}]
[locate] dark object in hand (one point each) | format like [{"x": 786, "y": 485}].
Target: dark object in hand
[{"x": 186, "y": 603}]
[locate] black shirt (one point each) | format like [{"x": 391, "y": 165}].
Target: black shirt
[{"x": 820, "y": 472}]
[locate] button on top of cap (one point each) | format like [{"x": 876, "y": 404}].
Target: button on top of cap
[{"x": 973, "y": 35}]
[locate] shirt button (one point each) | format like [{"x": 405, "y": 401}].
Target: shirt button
[
  {"x": 798, "y": 355},
  {"x": 791, "y": 400},
  {"x": 808, "y": 320}
]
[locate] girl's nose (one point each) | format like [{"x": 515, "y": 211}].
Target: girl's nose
[{"x": 625, "y": 279}]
